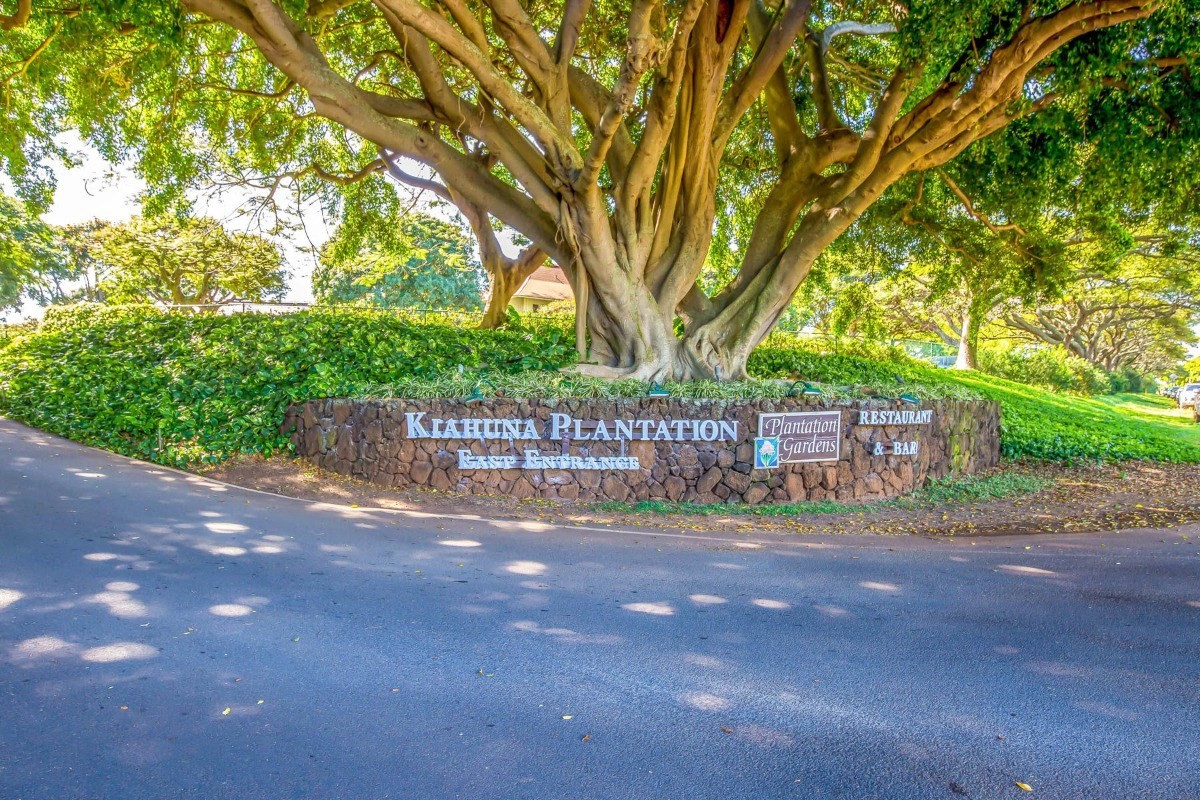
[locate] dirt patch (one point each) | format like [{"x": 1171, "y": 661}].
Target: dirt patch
[{"x": 1077, "y": 499}]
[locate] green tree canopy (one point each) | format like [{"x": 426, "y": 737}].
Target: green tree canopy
[
  {"x": 417, "y": 262},
  {"x": 1141, "y": 314},
  {"x": 30, "y": 253},
  {"x": 186, "y": 262},
  {"x": 614, "y": 135},
  {"x": 1028, "y": 212}
]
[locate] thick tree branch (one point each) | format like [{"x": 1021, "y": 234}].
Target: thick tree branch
[
  {"x": 856, "y": 28},
  {"x": 662, "y": 109},
  {"x": 19, "y": 18},
  {"x": 408, "y": 179},
  {"x": 551, "y": 140},
  {"x": 324, "y": 9},
  {"x": 642, "y": 53},
  {"x": 792, "y": 18},
  {"x": 574, "y": 14},
  {"x": 978, "y": 215}
]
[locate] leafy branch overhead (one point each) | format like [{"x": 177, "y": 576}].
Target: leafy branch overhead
[{"x": 601, "y": 131}]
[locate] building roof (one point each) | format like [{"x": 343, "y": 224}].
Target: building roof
[{"x": 546, "y": 283}]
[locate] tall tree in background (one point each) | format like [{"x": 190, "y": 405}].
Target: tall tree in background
[
  {"x": 951, "y": 266},
  {"x": 77, "y": 275},
  {"x": 505, "y": 273},
  {"x": 419, "y": 262},
  {"x": 598, "y": 130},
  {"x": 30, "y": 253},
  {"x": 193, "y": 262}
]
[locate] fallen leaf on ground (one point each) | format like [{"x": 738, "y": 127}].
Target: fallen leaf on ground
[
  {"x": 726, "y": 730},
  {"x": 568, "y": 716},
  {"x": 226, "y": 712},
  {"x": 587, "y": 737},
  {"x": 1024, "y": 786}
]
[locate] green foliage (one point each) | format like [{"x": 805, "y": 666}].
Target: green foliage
[
  {"x": 971, "y": 488},
  {"x": 177, "y": 388},
  {"x": 1056, "y": 427},
  {"x": 8, "y": 333},
  {"x": 560, "y": 385},
  {"x": 1050, "y": 367},
  {"x": 418, "y": 261},
  {"x": 876, "y": 369},
  {"x": 29, "y": 252},
  {"x": 1128, "y": 379},
  {"x": 186, "y": 261}
]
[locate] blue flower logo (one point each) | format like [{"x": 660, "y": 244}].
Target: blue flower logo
[{"x": 766, "y": 452}]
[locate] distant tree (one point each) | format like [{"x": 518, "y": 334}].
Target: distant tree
[
  {"x": 419, "y": 262},
  {"x": 77, "y": 274},
  {"x": 1140, "y": 315},
  {"x": 191, "y": 261},
  {"x": 29, "y": 253}
]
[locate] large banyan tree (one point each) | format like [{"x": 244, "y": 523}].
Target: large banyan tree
[{"x": 605, "y": 132}]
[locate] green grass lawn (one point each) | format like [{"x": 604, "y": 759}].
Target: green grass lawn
[
  {"x": 1049, "y": 425},
  {"x": 1037, "y": 423}
]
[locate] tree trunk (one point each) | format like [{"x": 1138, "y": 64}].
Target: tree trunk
[
  {"x": 968, "y": 341},
  {"x": 507, "y": 275}
]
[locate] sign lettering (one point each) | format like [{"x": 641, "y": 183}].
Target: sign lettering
[
  {"x": 564, "y": 426},
  {"x": 889, "y": 416}
]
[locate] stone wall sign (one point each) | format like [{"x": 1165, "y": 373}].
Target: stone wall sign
[
  {"x": 798, "y": 437},
  {"x": 643, "y": 448}
]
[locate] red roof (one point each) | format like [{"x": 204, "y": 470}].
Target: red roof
[{"x": 546, "y": 283}]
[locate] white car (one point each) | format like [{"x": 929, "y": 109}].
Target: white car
[{"x": 1187, "y": 395}]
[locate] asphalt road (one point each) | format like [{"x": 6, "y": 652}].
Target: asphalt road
[{"x": 162, "y": 636}]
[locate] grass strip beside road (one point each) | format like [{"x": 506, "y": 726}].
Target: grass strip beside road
[{"x": 939, "y": 492}]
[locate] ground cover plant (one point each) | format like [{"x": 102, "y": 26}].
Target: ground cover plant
[
  {"x": 181, "y": 389},
  {"x": 178, "y": 389}
]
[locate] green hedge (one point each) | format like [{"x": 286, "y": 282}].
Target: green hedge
[{"x": 178, "y": 389}]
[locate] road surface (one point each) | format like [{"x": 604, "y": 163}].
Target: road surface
[{"x": 162, "y": 636}]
